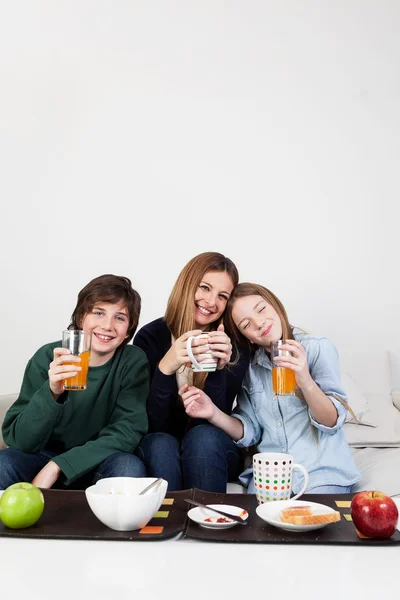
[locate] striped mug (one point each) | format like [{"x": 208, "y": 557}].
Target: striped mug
[{"x": 201, "y": 363}]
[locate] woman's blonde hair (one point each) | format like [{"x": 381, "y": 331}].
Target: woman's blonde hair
[{"x": 179, "y": 315}]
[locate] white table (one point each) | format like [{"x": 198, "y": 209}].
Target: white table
[{"x": 58, "y": 569}]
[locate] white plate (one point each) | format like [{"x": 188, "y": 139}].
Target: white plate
[
  {"x": 199, "y": 515},
  {"x": 271, "y": 513}
]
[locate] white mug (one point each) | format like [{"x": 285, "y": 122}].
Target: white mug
[
  {"x": 273, "y": 476},
  {"x": 206, "y": 362}
]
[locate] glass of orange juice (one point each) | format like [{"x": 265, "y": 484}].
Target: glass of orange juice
[
  {"x": 283, "y": 379},
  {"x": 79, "y": 343}
]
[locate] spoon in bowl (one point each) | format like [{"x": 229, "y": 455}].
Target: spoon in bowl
[{"x": 149, "y": 487}]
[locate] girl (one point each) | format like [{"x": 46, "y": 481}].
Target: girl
[
  {"x": 188, "y": 452},
  {"x": 75, "y": 438},
  {"x": 309, "y": 425}
]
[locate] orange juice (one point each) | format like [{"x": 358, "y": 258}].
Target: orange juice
[
  {"x": 79, "y": 381},
  {"x": 283, "y": 381}
]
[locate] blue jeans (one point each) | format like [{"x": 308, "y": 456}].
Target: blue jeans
[
  {"x": 18, "y": 466},
  {"x": 331, "y": 489},
  {"x": 206, "y": 458}
]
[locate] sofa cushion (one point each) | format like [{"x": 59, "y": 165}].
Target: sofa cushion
[
  {"x": 379, "y": 468},
  {"x": 379, "y": 420},
  {"x": 355, "y": 397},
  {"x": 386, "y": 430}
]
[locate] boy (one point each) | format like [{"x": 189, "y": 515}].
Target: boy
[{"x": 78, "y": 437}]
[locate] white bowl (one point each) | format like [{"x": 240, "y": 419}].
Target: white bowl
[{"x": 116, "y": 502}]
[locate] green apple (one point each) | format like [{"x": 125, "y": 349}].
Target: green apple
[{"x": 21, "y": 505}]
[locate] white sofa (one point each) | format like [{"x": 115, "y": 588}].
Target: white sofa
[{"x": 376, "y": 449}]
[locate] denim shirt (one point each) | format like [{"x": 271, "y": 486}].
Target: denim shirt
[{"x": 286, "y": 424}]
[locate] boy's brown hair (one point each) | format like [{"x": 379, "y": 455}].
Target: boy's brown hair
[{"x": 112, "y": 289}]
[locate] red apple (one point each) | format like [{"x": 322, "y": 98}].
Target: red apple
[{"x": 374, "y": 514}]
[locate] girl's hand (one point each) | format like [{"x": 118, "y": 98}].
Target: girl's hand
[
  {"x": 177, "y": 355},
  {"x": 47, "y": 476},
  {"x": 298, "y": 362},
  {"x": 197, "y": 404},
  {"x": 220, "y": 346},
  {"x": 58, "y": 371}
]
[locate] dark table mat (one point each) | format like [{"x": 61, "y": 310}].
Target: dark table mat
[
  {"x": 67, "y": 515},
  {"x": 258, "y": 531}
]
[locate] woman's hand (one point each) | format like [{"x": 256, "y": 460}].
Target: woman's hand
[
  {"x": 47, "y": 476},
  {"x": 197, "y": 404},
  {"x": 298, "y": 363},
  {"x": 177, "y": 355},
  {"x": 58, "y": 371},
  {"x": 220, "y": 346}
]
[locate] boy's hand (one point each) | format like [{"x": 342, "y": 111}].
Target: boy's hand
[
  {"x": 177, "y": 355},
  {"x": 47, "y": 476},
  {"x": 197, "y": 404},
  {"x": 58, "y": 371},
  {"x": 220, "y": 346}
]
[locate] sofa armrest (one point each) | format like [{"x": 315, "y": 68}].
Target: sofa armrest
[
  {"x": 396, "y": 398},
  {"x": 5, "y": 403}
]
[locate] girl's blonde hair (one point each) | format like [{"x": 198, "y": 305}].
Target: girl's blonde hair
[
  {"x": 239, "y": 340},
  {"x": 179, "y": 315},
  {"x": 253, "y": 289}
]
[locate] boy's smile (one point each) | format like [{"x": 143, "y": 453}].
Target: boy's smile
[
  {"x": 104, "y": 338},
  {"x": 109, "y": 325}
]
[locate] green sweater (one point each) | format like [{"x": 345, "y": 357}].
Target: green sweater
[{"x": 83, "y": 427}]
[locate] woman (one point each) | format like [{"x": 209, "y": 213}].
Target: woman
[
  {"x": 190, "y": 452},
  {"x": 309, "y": 425}
]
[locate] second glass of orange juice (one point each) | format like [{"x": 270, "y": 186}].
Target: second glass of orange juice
[{"x": 283, "y": 379}]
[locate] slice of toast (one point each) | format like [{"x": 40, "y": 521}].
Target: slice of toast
[
  {"x": 315, "y": 519},
  {"x": 296, "y": 511}
]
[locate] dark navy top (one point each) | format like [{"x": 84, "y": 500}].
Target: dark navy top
[{"x": 164, "y": 407}]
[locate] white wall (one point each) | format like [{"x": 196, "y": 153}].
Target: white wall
[{"x": 265, "y": 130}]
